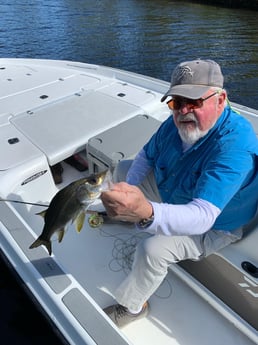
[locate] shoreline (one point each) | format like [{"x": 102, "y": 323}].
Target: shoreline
[{"x": 237, "y": 4}]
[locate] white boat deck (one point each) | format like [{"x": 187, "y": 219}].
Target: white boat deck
[{"x": 74, "y": 284}]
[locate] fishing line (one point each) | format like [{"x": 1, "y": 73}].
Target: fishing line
[
  {"x": 123, "y": 249},
  {"x": 24, "y": 202},
  {"x": 46, "y": 205},
  {"x": 123, "y": 255}
]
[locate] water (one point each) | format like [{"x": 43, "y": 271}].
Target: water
[
  {"x": 20, "y": 322},
  {"x": 143, "y": 36}
]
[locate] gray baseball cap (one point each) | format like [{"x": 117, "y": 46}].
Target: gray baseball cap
[{"x": 192, "y": 79}]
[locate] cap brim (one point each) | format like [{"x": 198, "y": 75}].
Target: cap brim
[{"x": 188, "y": 91}]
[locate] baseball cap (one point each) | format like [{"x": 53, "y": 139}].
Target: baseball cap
[{"x": 191, "y": 79}]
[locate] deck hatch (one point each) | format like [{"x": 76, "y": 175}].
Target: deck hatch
[
  {"x": 81, "y": 117},
  {"x": 46, "y": 265},
  {"x": 96, "y": 326}
]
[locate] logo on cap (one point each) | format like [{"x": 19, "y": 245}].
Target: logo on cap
[{"x": 183, "y": 72}]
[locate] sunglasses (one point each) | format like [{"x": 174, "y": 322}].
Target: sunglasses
[{"x": 177, "y": 103}]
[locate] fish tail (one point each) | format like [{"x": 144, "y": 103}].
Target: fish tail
[{"x": 40, "y": 242}]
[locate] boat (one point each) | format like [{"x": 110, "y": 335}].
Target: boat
[{"x": 54, "y": 110}]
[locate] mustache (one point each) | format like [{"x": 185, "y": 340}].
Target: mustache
[{"x": 186, "y": 117}]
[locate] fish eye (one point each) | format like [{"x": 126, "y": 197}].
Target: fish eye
[{"x": 93, "y": 180}]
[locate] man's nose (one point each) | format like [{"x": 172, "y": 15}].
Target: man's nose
[{"x": 185, "y": 108}]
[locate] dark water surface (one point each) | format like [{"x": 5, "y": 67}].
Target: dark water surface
[
  {"x": 144, "y": 36},
  {"x": 20, "y": 321}
]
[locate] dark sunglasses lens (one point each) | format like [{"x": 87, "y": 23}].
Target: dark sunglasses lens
[
  {"x": 196, "y": 103},
  {"x": 176, "y": 104}
]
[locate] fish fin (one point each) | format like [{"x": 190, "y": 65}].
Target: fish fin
[
  {"x": 79, "y": 221},
  {"x": 40, "y": 242},
  {"x": 61, "y": 234},
  {"x": 42, "y": 213}
]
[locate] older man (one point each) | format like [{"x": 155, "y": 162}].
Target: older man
[{"x": 191, "y": 186}]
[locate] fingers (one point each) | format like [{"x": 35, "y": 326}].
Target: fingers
[
  {"x": 114, "y": 202},
  {"x": 120, "y": 201},
  {"x": 126, "y": 202},
  {"x": 118, "y": 194}
]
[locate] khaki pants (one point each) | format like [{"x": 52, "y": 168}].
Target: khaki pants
[{"x": 156, "y": 253}]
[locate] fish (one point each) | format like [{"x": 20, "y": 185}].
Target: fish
[{"x": 70, "y": 204}]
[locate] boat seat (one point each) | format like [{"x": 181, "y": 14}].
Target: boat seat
[
  {"x": 104, "y": 152},
  {"x": 232, "y": 274}
]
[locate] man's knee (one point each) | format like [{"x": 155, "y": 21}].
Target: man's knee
[
  {"x": 152, "y": 253},
  {"x": 162, "y": 251}
]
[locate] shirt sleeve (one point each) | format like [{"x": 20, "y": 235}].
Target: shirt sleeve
[
  {"x": 194, "y": 218},
  {"x": 139, "y": 169}
]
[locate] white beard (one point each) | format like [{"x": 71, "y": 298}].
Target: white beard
[
  {"x": 188, "y": 136},
  {"x": 191, "y": 137}
]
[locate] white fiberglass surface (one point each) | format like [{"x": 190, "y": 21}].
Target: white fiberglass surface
[{"x": 99, "y": 259}]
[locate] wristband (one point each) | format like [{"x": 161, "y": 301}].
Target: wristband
[{"x": 144, "y": 223}]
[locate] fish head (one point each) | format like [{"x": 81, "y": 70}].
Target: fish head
[{"x": 93, "y": 185}]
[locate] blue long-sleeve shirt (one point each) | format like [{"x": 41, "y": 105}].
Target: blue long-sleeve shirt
[{"x": 219, "y": 170}]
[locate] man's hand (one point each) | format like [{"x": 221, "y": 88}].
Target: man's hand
[{"x": 126, "y": 202}]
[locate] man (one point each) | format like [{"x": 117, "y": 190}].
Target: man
[{"x": 197, "y": 179}]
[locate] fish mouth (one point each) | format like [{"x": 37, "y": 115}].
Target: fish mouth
[
  {"x": 92, "y": 196},
  {"x": 107, "y": 183},
  {"x": 99, "y": 183}
]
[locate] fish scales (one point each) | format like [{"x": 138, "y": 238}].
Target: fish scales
[{"x": 70, "y": 204}]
